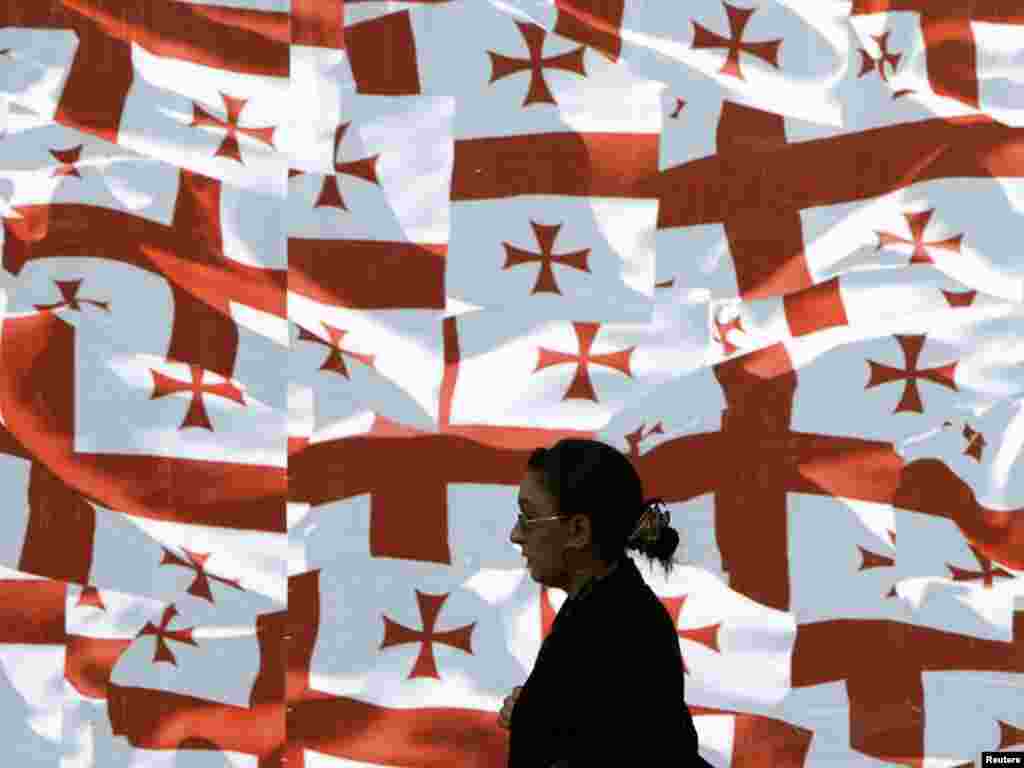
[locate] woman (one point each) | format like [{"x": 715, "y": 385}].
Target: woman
[{"x": 607, "y": 685}]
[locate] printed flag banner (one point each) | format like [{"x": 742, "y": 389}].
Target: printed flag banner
[{"x": 291, "y": 290}]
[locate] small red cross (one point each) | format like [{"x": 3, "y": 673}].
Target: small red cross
[
  {"x": 200, "y": 587},
  {"x": 722, "y": 333},
  {"x": 706, "y": 636},
  {"x": 869, "y": 560},
  {"x": 69, "y": 290},
  {"x": 581, "y": 387},
  {"x": 229, "y": 146},
  {"x": 545, "y": 235},
  {"x": 869, "y": 63},
  {"x": 987, "y": 574},
  {"x": 364, "y": 168},
  {"x": 1008, "y": 735},
  {"x": 943, "y": 375},
  {"x": 960, "y": 299},
  {"x": 196, "y": 416},
  {"x": 538, "y": 92},
  {"x": 767, "y": 51},
  {"x": 637, "y": 436},
  {"x": 336, "y": 358},
  {"x": 975, "y": 442},
  {"x": 90, "y": 596},
  {"x": 918, "y": 222},
  {"x": 430, "y": 608},
  {"x": 67, "y": 159},
  {"x": 162, "y": 634}
]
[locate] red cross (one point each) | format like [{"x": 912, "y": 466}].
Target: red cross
[
  {"x": 196, "y": 415},
  {"x": 163, "y": 651},
  {"x": 722, "y": 332},
  {"x": 430, "y": 607},
  {"x": 67, "y": 159},
  {"x": 581, "y": 388},
  {"x": 633, "y": 439},
  {"x": 960, "y": 299},
  {"x": 69, "y": 290},
  {"x": 869, "y": 560},
  {"x": 545, "y": 235},
  {"x": 987, "y": 574},
  {"x": 1008, "y": 735},
  {"x": 503, "y": 66},
  {"x": 767, "y": 51},
  {"x": 336, "y": 359},
  {"x": 911, "y": 399},
  {"x": 90, "y": 596},
  {"x": 975, "y": 442},
  {"x": 200, "y": 587},
  {"x": 918, "y": 222},
  {"x": 229, "y": 146},
  {"x": 706, "y": 636},
  {"x": 679, "y": 108},
  {"x": 756, "y": 448},
  {"x": 869, "y": 63},
  {"x": 364, "y": 168}
]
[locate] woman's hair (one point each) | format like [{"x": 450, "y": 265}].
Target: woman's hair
[{"x": 592, "y": 478}]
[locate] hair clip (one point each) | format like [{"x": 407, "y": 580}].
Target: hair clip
[{"x": 654, "y": 519}]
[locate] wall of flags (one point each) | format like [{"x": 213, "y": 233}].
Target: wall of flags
[{"x": 291, "y": 289}]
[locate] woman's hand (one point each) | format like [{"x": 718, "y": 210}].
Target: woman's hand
[{"x": 505, "y": 716}]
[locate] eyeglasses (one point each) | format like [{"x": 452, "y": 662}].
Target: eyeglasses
[{"x": 524, "y": 522}]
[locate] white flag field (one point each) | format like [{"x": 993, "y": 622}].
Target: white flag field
[{"x": 291, "y": 290}]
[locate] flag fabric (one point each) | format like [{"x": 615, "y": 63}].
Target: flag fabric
[{"x": 291, "y": 290}]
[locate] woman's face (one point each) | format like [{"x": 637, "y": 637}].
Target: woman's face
[{"x": 543, "y": 542}]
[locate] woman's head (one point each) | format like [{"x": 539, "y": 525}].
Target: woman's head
[{"x": 598, "y": 493}]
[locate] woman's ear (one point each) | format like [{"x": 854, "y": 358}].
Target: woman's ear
[{"x": 581, "y": 534}]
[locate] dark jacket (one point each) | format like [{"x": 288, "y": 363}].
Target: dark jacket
[{"x": 607, "y": 686}]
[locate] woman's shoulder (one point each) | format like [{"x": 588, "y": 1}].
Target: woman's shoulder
[{"x": 631, "y": 608}]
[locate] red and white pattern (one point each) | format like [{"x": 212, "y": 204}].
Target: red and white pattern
[
  {"x": 445, "y": 641},
  {"x": 33, "y": 656},
  {"x": 766, "y": 56},
  {"x": 291, "y": 290},
  {"x": 38, "y": 62},
  {"x": 386, "y": 360},
  {"x": 218, "y": 123},
  {"x": 961, "y": 55},
  {"x": 48, "y": 164}
]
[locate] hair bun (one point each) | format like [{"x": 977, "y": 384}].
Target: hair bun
[{"x": 653, "y": 520}]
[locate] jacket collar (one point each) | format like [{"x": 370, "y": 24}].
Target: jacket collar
[
  {"x": 589, "y": 586},
  {"x": 621, "y": 571}
]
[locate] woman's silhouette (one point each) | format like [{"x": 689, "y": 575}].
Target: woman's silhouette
[{"x": 607, "y": 685}]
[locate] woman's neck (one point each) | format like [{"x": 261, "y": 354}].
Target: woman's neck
[{"x": 596, "y": 571}]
